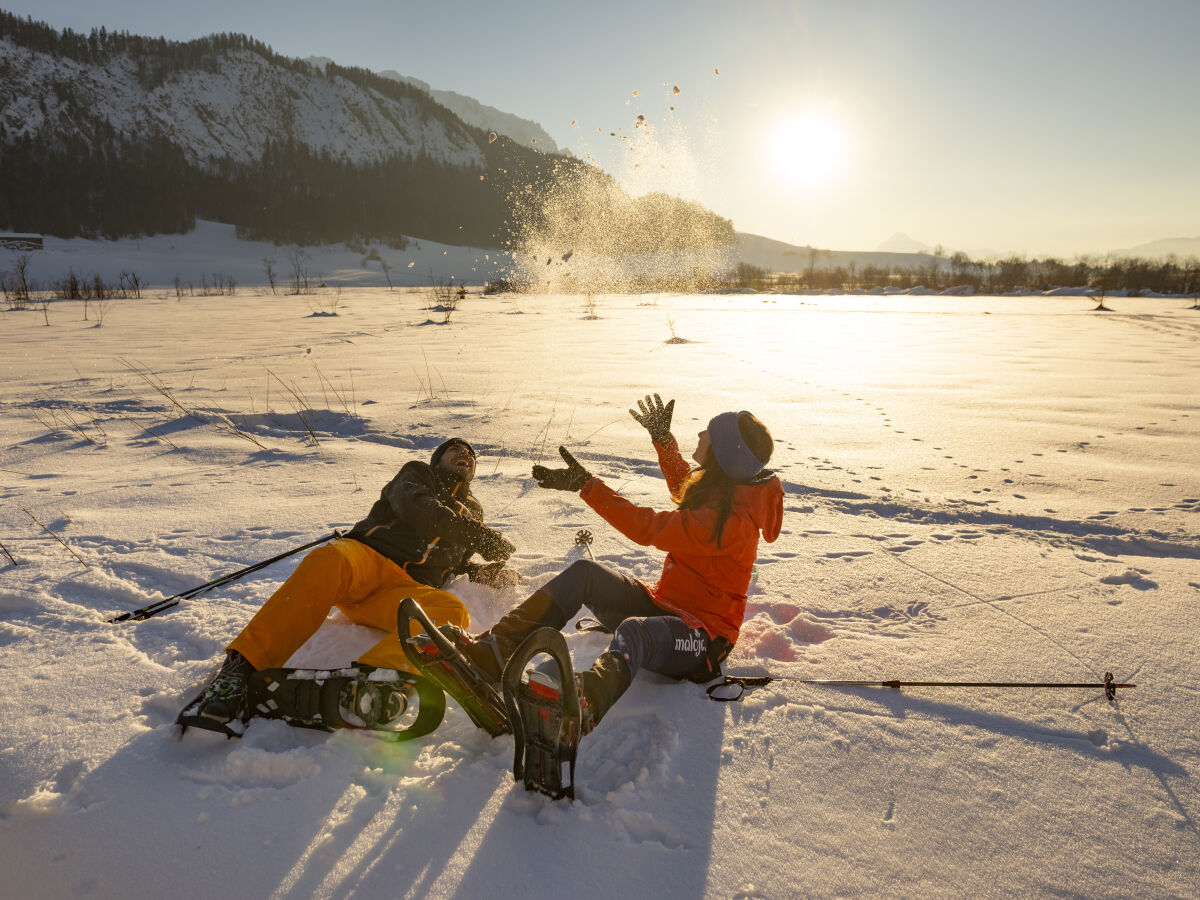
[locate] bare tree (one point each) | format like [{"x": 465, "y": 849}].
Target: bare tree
[
  {"x": 1191, "y": 283},
  {"x": 20, "y": 286},
  {"x": 300, "y": 276},
  {"x": 1100, "y": 283},
  {"x": 42, "y": 303},
  {"x": 269, "y": 264},
  {"x": 129, "y": 284}
]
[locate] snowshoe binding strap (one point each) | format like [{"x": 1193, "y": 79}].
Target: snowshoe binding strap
[
  {"x": 359, "y": 697},
  {"x": 588, "y": 623},
  {"x": 192, "y": 716},
  {"x": 435, "y": 653},
  {"x": 546, "y": 721}
]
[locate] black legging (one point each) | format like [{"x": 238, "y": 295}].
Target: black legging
[{"x": 643, "y": 633}]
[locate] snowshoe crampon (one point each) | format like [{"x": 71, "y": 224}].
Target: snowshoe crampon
[
  {"x": 437, "y": 654},
  {"x": 545, "y": 715}
]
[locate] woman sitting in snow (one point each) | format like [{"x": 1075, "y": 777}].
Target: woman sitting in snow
[{"x": 687, "y": 623}]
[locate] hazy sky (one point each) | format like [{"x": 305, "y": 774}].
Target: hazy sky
[{"x": 1055, "y": 126}]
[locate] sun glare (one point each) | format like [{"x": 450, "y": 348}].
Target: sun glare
[{"x": 806, "y": 149}]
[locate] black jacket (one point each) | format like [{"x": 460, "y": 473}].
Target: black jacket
[{"x": 426, "y": 521}]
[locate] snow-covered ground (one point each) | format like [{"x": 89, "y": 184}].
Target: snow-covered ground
[
  {"x": 193, "y": 264},
  {"x": 977, "y": 489}
]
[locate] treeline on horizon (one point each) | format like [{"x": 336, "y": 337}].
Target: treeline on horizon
[
  {"x": 96, "y": 182},
  {"x": 1013, "y": 274}
]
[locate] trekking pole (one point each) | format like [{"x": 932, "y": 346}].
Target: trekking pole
[
  {"x": 744, "y": 681},
  {"x": 158, "y": 606}
]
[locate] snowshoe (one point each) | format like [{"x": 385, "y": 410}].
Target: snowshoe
[
  {"x": 395, "y": 704},
  {"x": 546, "y": 715},
  {"x": 357, "y": 697},
  {"x": 437, "y": 653}
]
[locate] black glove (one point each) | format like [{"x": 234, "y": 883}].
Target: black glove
[
  {"x": 492, "y": 546},
  {"x": 655, "y": 417},
  {"x": 572, "y": 478},
  {"x": 495, "y": 575}
]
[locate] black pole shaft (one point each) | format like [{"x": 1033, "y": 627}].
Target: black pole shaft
[
  {"x": 971, "y": 684},
  {"x": 158, "y": 606},
  {"x": 744, "y": 681}
]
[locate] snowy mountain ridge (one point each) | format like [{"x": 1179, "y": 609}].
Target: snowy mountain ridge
[
  {"x": 223, "y": 111},
  {"x": 470, "y": 110}
]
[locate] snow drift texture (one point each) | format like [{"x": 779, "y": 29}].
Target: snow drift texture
[{"x": 977, "y": 489}]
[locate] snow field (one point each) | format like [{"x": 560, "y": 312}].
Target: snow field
[{"x": 977, "y": 489}]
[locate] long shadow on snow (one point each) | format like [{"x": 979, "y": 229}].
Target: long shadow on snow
[
  {"x": 650, "y": 823},
  {"x": 284, "y": 806},
  {"x": 900, "y": 705},
  {"x": 1128, "y": 757},
  {"x": 178, "y": 782},
  {"x": 404, "y": 837}
]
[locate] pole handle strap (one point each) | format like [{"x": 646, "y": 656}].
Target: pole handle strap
[{"x": 740, "y": 682}]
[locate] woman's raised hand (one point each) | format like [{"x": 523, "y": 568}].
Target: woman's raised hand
[
  {"x": 655, "y": 417},
  {"x": 572, "y": 478}
]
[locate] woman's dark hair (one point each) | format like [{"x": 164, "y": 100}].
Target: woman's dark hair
[{"x": 708, "y": 485}]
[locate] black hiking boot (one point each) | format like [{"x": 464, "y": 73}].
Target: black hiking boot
[
  {"x": 483, "y": 652},
  {"x": 224, "y": 706},
  {"x": 489, "y": 651}
]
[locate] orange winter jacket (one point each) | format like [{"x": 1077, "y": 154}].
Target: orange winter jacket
[{"x": 702, "y": 583}]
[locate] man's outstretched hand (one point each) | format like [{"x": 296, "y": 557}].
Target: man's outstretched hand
[
  {"x": 496, "y": 574},
  {"x": 492, "y": 545},
  {"x": 655, "y": 417},
  {"x": 572, "y": 478}
]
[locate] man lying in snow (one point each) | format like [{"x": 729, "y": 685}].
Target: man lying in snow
[{"x": 420, "y": 534}]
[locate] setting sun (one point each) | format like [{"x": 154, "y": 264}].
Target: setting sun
[{"x": 806, "y": 149}]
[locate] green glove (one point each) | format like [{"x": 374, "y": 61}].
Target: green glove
[
  {"x": 655, "y": 417},
  {"x": 572, "y": 478}
]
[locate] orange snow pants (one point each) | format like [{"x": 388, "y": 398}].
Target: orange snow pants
[{"x": 363, "y": 584}]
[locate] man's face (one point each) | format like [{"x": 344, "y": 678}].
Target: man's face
[{"x": 458, "y": 459}]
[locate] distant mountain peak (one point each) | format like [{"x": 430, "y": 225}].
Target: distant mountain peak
[
  {"x": 902, "y": 243},
  {"x": 1182, "y": 247}
]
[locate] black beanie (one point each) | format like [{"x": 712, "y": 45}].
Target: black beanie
[{"x": 437, "y": 454}]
